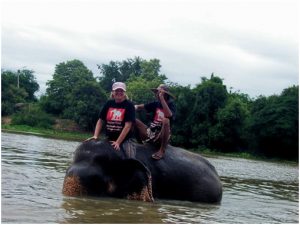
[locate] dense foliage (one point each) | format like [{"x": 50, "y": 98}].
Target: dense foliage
[
  {"x": 208, "y": 115},
  {"x": 73, "y": 93},
  {"x": 17, "y": 87},
  {"x": 33, "y": 116},
  {"x": 274, "y": 123}
]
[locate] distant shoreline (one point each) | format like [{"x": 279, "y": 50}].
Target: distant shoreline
[
  {"x": 81, "y": 136},
  {"x": 47, "y": 133}
]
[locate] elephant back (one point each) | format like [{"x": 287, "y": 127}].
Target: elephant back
[{"x": 181, "y": 175}]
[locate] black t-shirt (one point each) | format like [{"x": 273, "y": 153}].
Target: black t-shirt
[
  {"x": 158, "y": 113},
  {"x": 115, "y": 115}
]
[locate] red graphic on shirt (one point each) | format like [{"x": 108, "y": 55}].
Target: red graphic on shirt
[
  {"x": 115, "y": 114},
  {"x": 159, "y": 115}
]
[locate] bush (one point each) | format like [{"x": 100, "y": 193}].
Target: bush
[
  {"x": 7, "y": 108},
  {"x": 34, "y": 117}
]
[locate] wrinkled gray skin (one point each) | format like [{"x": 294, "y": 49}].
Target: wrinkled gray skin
[{"x": 179, "y": 175}]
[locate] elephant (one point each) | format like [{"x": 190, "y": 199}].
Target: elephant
[{"x": 99, "y": 170}]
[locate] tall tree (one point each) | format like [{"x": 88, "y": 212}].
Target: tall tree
[
  {"x": 181, "y": 128},
  {"x": 85, "y": 102},
  {"x": 74, "y": 93},
  {"x": 27, "y": 80},
  {"x": 127, "y": 70},
  {"x": 139, "y": 89},
  {"x": 210, "y": 96},
  {"x": 12, "y": 93},
  {"x": 228, "y": 133},
  {"x": 66, "y": 76}
]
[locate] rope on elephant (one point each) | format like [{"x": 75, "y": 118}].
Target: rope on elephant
[
  {"x": 129, "y": 148},
  {"x": 150, "y": 188}
]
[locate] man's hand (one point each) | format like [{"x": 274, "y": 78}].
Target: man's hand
[
  {"x": 139, "y": 107},
  {"x": 161, "y": 94},
  {"x": 115, "y": 145},
  {"x": 91, "y": 138}
]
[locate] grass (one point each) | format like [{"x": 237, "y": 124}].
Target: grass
[
  {"x": 51, "y": 133},
  {"x": 244, "y": 155}
]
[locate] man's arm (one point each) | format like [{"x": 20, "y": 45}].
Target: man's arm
[
  {"x": 168, "y": 113},
  {"x": 139, "y": 107},
  {"x": 97, "y": 130}
]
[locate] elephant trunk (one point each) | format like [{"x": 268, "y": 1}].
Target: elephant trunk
[
  {"x": 82, "y": 179},
  {"x": 72, "y": 187}
]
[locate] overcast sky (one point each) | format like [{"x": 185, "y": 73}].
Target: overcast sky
[{"x": 251, "y": 44}]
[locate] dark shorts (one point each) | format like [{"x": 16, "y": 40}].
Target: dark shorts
[{"x": 152, "y": 135}]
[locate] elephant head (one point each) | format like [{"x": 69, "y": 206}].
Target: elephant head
[{"x": 99, "y": 170}]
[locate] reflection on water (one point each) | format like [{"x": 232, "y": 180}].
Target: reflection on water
[
  {"x": 88, "y": 210},
  {"x": 33, "y": 169}
]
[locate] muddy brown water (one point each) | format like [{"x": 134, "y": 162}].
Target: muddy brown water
[{"x": 33, "y": 170}]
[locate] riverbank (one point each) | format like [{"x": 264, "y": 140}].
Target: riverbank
[
  {"x": 80, "y": 136},
  {"x": 48, "y": 133}
]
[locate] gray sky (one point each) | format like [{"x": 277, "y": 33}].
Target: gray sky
[{"x": 251, "y": 44}]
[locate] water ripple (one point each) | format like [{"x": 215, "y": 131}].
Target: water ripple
[{"x": 33, "y": 170}]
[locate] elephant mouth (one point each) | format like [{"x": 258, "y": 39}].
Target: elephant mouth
[{"x": 72, "y": 187}]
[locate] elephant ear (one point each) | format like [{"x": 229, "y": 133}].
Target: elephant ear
[{"x": 133, "y": 180}]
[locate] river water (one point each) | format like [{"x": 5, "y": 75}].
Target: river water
[{"x": 33, "y": 170}]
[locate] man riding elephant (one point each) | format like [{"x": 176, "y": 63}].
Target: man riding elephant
[
  {"x": 118, "y": 115},
  {"x": 159, "y": 131}
]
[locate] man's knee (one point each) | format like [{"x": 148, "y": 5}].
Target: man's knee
[{"x": 139, "y": 124}]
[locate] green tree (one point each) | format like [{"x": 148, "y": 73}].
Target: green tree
[
  {"x": 74, "y": 94},
  {"x": 110, "y": 73},
  {"x": 67, "y": 75},
  {"x": 128, "y": 70},
  {"x": 118, "y": 71},
  {"x": 85, "y": 102},
  {"x": 139, "y": 89},
  {"x": 274, "y": 124},
  {"x": 228, "y": 133},
  {"x": 140, "y": 83},
  {"x": 12, "y": 94},
  {"x": 150, "y": 70},
  {"x": 27, "y": 80},
  {"x": 210, "y": 96},
  {"x": 181, "y": 128}
]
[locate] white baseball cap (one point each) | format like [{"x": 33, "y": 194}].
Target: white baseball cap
[{"x": 119, "y": 85}]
